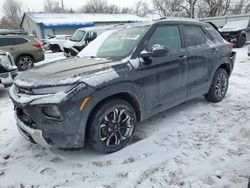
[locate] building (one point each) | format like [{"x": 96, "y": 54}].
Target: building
[
  {"x": 45, "y": 24},
  {"x": 220, "y": 21}
]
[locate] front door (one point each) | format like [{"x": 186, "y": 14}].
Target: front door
[{"x": 166, "y": 76}]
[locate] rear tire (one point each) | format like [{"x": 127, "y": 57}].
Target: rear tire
[
  {"x": 111, "y": 126},
  {"x": 55, "y": 48},
  {"x": 219, "y": 86},
  {"x": 24, "y": 63}
]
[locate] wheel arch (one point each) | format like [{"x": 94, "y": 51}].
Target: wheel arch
[
  {"x": 26, "y": 54},
  {"x": 126, "y": 92},
  {"x": 227, "y": 67}
]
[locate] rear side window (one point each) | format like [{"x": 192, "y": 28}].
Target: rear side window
[
  {"x": 194, "y": 36},
  {"x": 214, "y": 34},
  {"x": 19, "y": 41},
  {"x": 7, "y": 41},
  {"x": 166, "y": 35}
]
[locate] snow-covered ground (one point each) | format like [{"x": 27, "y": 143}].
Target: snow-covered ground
[{"x": 196, "y": 144}]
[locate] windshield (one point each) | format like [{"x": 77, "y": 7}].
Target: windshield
[
  {"x": 78, "y": 35},
  {"x": 236, "y": 24},
  {"x": 115, "y": 44}
]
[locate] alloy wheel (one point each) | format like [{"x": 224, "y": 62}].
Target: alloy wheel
[
  {"x": 221, "y": 85},
  {"x": 116, "y": 127}
]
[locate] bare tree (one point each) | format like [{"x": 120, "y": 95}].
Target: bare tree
[
  {"x": 210, "y": 8},
  {"x": 166, "y": 8},
  {"x": 141, "y": 8},
  {"x": 189, "y": 6},
  {"x": 12, "y": 10},
  {"x": 95, "y": 6},
  {"x": 53, "y": 6},
  {"x": 126, "y": 10},
  {"x": 240, "y": 7}
]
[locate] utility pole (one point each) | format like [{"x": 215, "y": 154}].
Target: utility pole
[
  {"x": 62, "y": 5},
  {"x": 191, "y": 9}
]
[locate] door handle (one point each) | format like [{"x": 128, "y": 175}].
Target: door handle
[
  {"x": 12, "y": 49},
  {"x": 182, "y": 58}
]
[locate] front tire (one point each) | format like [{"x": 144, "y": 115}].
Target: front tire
[
  {"x": 241, "y": 41},
  {"x": 219, "y": 86},
  {"x": 111, "y": 126},
  {"x": 24, "y": 63}
]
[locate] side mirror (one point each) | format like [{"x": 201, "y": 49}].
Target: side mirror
[{"x": 157, "y": 50}]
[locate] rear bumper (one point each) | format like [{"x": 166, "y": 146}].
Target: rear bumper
[{"x": 39, "y": 56}]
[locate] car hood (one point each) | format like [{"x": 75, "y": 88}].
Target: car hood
[
  {"x": 230, "y": 29},
  {"x": 76, "y": 70}
]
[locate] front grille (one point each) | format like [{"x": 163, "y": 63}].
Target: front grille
[
  {"x": 66, "y": 50},
  {"x": 25, "y": 118},
  {"x": 70, "y": 51}
]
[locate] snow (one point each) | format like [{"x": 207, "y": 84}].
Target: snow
[
  {"x": 49, "y": 19},
  {"x": 196, "y": 144}
]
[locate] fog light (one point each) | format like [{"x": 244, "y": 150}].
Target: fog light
[{"x": 51, "y": 111}]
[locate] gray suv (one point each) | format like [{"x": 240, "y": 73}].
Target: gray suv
[
  {"x": 123, "y": 77},
  {"x": 25, "y": 49}
]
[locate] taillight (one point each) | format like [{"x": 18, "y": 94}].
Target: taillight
[{"x": 37, "y": 44}]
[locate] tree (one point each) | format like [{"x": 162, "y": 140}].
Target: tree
[
  {"x": 141, "y": 8},
  {"x": 210, "y": 8},
  {"x": 95, "y": 6},
  {"x": 53, "y": 6},
  {"x": 166, "y": 8},
  {"x": 12, "y": 10}
]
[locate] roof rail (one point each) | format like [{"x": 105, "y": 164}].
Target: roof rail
[{"x": 12, "y": 32}]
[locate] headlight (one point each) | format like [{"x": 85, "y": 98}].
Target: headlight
[
  {"x": 53, "y": 89},
  {"x": 51, "y": 111}
]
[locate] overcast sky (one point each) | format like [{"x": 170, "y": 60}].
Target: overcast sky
[{"x": 37, "y": 5}]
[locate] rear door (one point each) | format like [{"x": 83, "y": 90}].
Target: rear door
[{"x": 201, "y": 56}]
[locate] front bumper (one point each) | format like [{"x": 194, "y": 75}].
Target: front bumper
[
  {"x": 69, "y": 52},
  {"x": 37, "y": 127},
  {"x": 33, "y": 135},
  {"x": 7, "y": 78}
]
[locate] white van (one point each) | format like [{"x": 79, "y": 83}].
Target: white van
[{"x": 81, "y": 38}]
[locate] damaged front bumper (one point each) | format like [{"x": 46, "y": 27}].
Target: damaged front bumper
[
  {"x": 37, "y": 127},
  {"x": 33, "y": 135}
]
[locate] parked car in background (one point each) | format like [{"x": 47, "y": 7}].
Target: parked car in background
[
  {"x": 8, "y": 69},
  {"x": 81, "y": 38},
  {"x": 25, "y": 49},
  {"x": 56, "y": 43},
  {"x": 236, "y": 32},
  {"x": 124, "y": 76}
]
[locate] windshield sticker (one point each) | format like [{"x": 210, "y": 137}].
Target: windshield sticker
[{"x": 130, "y": 37}]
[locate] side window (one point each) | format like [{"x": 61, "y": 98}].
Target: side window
[
  {"x": 166, "y": 35},
  {"x": 6, "y": 42},
  {"x": 19, "y": 41},
  {"x": 194, "y": 36}
]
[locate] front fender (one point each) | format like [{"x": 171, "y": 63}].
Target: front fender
[{"x": 114, "y": 89}]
